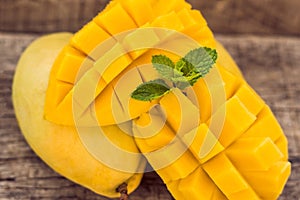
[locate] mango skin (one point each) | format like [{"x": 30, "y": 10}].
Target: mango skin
[{"x": 58, "y": 146}]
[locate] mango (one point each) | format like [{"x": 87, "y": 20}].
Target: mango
[
  {"x": 215, "y": 140},
  {"x": 67, "y": 155}
]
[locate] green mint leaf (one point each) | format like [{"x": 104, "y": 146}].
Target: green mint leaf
[
  {"x": 212, "y": 52},
  {"x": 164, "y": 66},
  {"x": 185, "y": 67},
  {"x": 202, "y": 59},
  {"x": 150, "y": 90}
]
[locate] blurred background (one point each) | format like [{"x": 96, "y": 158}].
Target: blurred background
[{"x": 263, "y": 17}]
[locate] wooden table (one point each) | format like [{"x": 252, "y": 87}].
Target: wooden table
[{"x": 270, "y": 64}]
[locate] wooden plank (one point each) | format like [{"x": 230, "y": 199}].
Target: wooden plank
[
  {"x": 47, "y": 15},
  {"x": 230, "y": 16},
  {"x": 270, "y": 64},
  {"x": 251, "y": 16}
]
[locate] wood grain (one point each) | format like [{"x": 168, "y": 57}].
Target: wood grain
[
  {"x": 270, "y": 64},
  {"x": 224, "y": 16},
  {"x": 265, "y": 17}
]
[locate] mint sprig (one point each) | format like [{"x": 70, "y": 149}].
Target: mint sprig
[{"x": 184, "y": 73}]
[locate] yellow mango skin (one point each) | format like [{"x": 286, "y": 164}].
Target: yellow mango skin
[{"x": 59, "y": 146}]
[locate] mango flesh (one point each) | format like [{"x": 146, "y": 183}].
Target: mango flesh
[
  {"x": 60, "y": 146},
  {"x": 105, "y": 24},
  {"x": 201, "y": 142},
  {"x": 233, "y": 163}
]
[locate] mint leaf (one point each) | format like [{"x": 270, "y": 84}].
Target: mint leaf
[
  {"x": 212, "y": 52},
  {"x": 202, "y": 59},
  {"x": 164, "y": 66},
  {"x": 150, "y": 90},
  {"x": 184, "y": 66}
]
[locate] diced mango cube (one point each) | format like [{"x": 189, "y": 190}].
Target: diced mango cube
[
  {"x": 70, "y": 64},
  {"x": 61, "y": 90},
  {"x": 108, "y": 108},
  {"x": 250, "y": 99},
  {"x": 124, "y": 133},
  {"x": 218, "y": 195},
  {"x": 125, "y": 84},
  {"x": 136, "y": 43},
  {"x": 161, "y": 7},
  {"x": 227, "y": 116},
  {"x": 140, "y": 11},
  {"x": 173, "y": 188},
  {"x": 178, "y": 109},
  {"x": 269, "y": 184},
  {"x": 198, "y": 17},
  {"x": 112, "y": 63},
  {"x": 88, "y": 38},
  {"x": 66, "y": 107},
  {"x": 85, "y": 91},
  {"x": 151, "y": 133},
  {"x": 244, "y": 194},
  {"x": 186, "y": 17},
  {"x": 249, "y": 154},
  {"x": 169, "y": 21},
  {"x": 197, "y": 185},
  {"x": 137, "y": 107},
  {"x": 171, "y": 161},
  {"x": 265, "y": 125},
  {"x": 147, "y": 72},
  {"x": 282, "y": 144},
  {"x": 112, "y": 24},
  {"x": 203, "y": 36},
  {"x": 202, "y": 143},
  {"x": 202, "y": 98},
  {"x": 225, "y": 175},
  {"x": 208, "y": 94},
  {"x": 230, "y": 81},
  {"x": 190, "y": 24}
]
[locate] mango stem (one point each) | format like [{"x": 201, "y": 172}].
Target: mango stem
[{"x": 122, "y": 189}]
